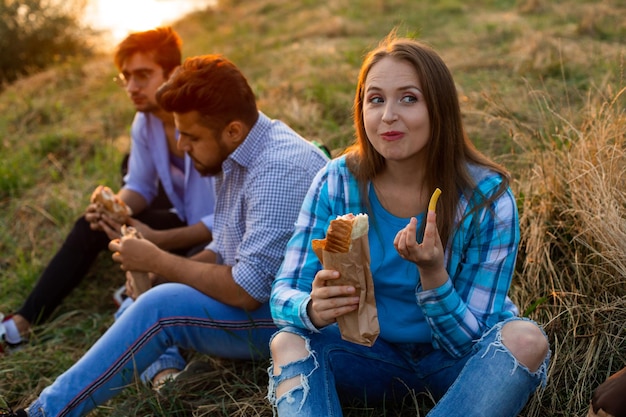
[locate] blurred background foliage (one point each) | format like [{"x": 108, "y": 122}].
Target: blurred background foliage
[
  {"x": 35, "y": 34},
  {"x": 542, "y": 85}
]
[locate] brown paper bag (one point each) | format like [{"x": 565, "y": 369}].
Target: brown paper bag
[
  {"x": 359, "y": 326},
  {"x": 141, "y": 280}
]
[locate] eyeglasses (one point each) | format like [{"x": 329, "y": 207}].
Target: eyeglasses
[{"x": 141, "y": 78}]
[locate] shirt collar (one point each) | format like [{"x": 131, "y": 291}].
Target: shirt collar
[{"x": 252, "y": 145}]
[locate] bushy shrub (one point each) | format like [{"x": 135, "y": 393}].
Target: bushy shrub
[{"x": 37, "y": 33}]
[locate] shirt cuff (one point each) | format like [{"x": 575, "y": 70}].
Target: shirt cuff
[
  {"x": 438, "y": 301},
  {"x": 304, "y": 316},
  {"x": 208, "y": 221}
]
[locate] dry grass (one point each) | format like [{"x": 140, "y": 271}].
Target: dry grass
[
  {"x": 572, "y": 267},
  {"x": 542, "y": 89},
  {"x": 571, "y": 274}
]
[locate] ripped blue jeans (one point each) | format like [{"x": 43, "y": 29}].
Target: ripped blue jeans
[{"x": 488, "y": 381}]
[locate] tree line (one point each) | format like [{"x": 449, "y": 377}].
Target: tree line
[{"x": 35, "y": 34}]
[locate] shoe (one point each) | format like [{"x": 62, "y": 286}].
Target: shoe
[
  {"x": 194, "y": 372},
  {"x": 120, "y": 295},
  {"x": 3, "y": 331},
  {"x": 6, "y": 347}
]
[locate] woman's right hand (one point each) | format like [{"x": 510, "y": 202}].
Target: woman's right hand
[{"x": 330, "y": 301}]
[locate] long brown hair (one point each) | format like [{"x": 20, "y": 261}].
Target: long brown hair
[{"x": 449, "y": 149}]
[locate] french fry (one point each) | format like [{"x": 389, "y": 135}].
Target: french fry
[{"x": 432, "y": 204}]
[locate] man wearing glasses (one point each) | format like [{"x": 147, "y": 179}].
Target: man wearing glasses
[{"x": 145, "y": 61}]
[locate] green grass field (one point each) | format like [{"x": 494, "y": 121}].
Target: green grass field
[{"x": 542, "y": 85}]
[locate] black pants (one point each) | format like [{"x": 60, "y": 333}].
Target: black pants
[{"x": 72, "y": 262}]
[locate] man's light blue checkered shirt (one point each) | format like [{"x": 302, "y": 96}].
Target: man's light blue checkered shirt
[
  {"x": 480, "y": 259},
  {"x": 259, "y": 194}
]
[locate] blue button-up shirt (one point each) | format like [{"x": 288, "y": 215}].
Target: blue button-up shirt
[
  {"x": 192, "y": 195},
  {"x": 259, "y": 194}
]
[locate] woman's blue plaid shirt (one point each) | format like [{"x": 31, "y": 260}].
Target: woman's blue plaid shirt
[{"x": 480, "y": 259}]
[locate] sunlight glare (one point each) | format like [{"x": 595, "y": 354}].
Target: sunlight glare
[{"x": 120, "y": 17}]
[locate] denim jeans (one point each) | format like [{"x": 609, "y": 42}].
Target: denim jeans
[
  {"x": 170, "y": 359},
  {"x": 165, "y": 316},
  {"x": 488, "y": 381}
]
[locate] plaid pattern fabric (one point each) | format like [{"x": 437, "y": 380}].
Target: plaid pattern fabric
[
  {"x": 259, "y": 194},
  {"x": 192, "y": 195},
  {"x": 480, "y": 259}
]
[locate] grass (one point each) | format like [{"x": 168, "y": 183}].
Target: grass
[{"x": 542, "y": 89}]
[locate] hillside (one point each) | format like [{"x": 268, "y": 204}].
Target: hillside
[{"x": 542, "y": 88}]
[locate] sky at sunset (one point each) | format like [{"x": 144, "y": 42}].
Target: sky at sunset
[{"x": 120, "y": 17}]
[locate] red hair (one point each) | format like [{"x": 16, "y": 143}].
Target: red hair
[
  {"x": 163, "y": 43},
  {"x": 214, "y": 87}
]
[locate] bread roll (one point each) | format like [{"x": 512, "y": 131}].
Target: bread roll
[
  {"x": 345, "y": 249},
  {"x": 342, "y": 231},
  {"x": 140, "y": 281},
  {"x": 129, "y": 232},
  {"x": 108, "y": 202}
]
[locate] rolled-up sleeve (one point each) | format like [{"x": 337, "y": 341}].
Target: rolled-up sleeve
[
  {"x": 484, "y": 251},
  {"x": 142, "y": 176}
]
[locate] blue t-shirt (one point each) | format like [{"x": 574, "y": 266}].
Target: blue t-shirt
[
  {"x": 479, "y": 258},
  {"x": 399, "y": 316}
]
